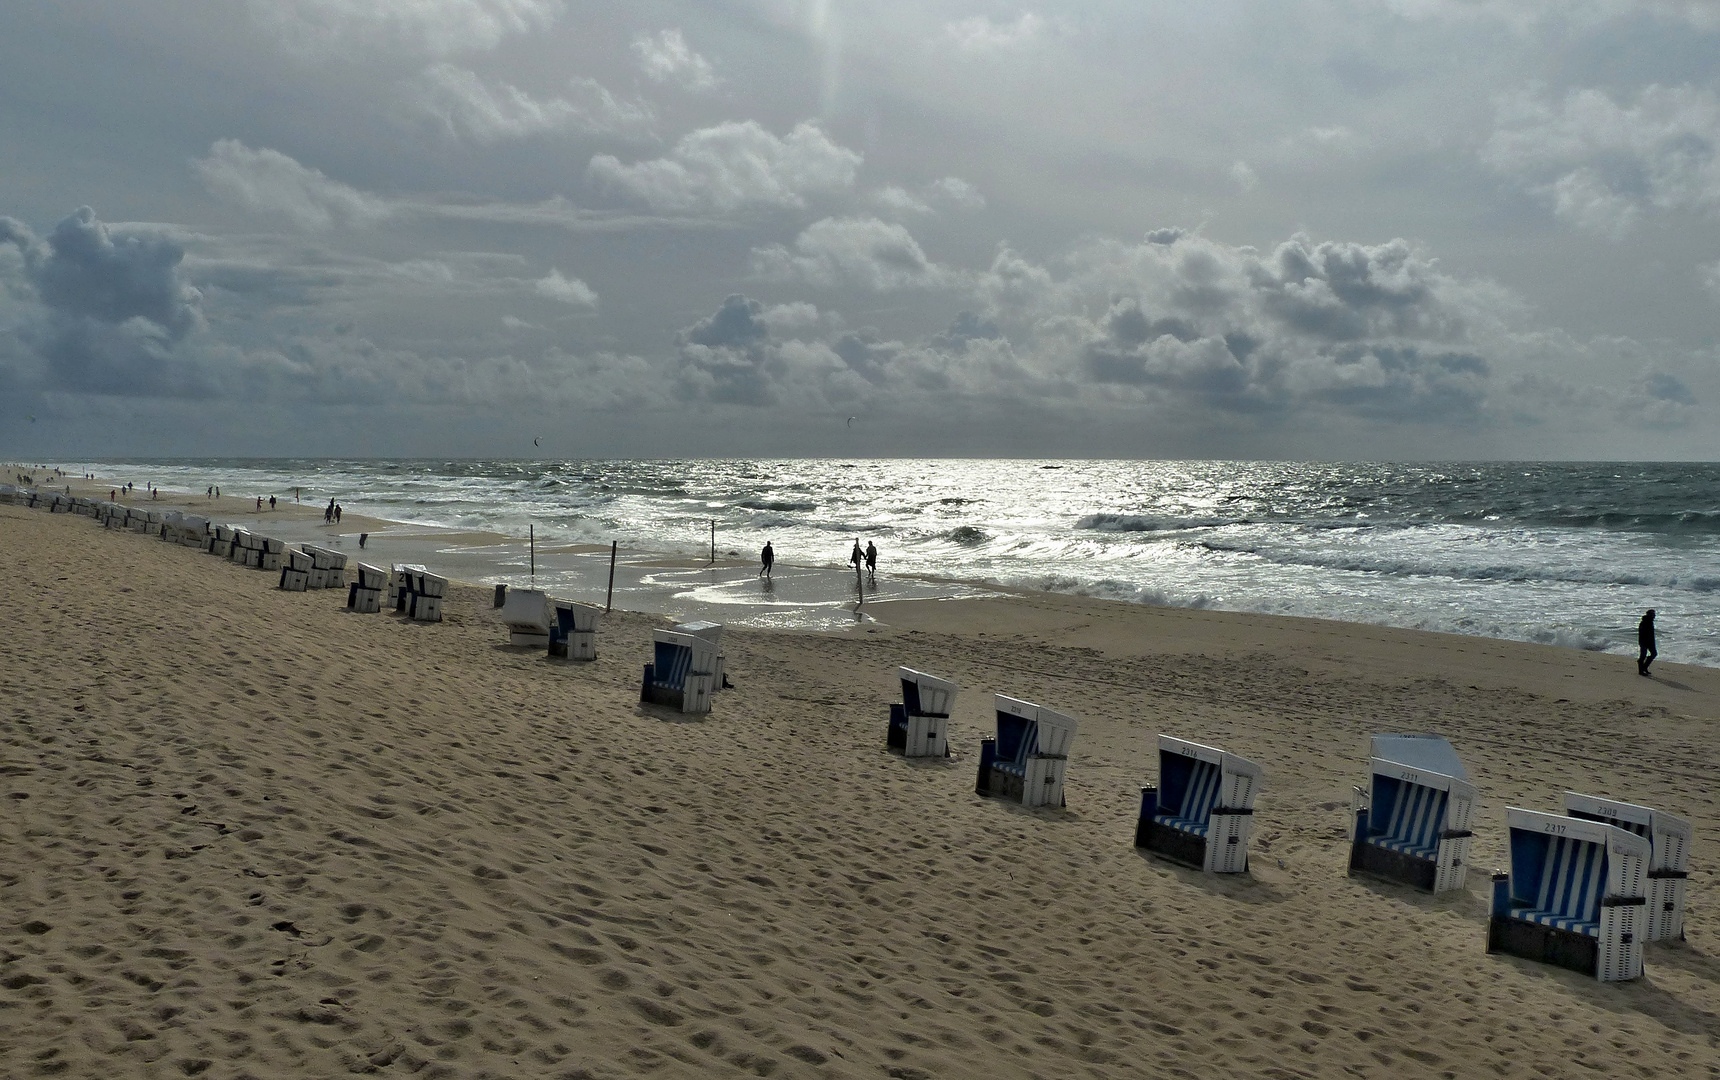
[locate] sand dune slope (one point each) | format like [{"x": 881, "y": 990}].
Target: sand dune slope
[{"x": 248, "y": 834}]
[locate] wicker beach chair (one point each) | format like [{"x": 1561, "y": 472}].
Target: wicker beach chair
[
  {"x": 1411, "y": 825},
  {"x": 1669, "y": 838},
  {"x": 681, "y": 674},
  {"x": 296, "y": 568},
  {"x": 526, "y": 613},
  {"x": 1202, "y": 811},
  {"x": 920, "y": 724},
  {"x": 1575, "y": 896},
  {"x": 1029, "y": 758},
  {"x": 364, "y": 595},
  {"x": 573, "y": 629},
  {"x": 711, "y": 632}
]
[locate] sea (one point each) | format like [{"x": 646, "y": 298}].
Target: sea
[{"x": 1566, "y": 554}]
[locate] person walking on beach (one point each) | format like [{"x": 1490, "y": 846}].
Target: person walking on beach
[
  {"x": 337, "y": 513},
  {"x": 1645, "y": 650},
  {"x": 271, "y": 502},
  {"x": 766, "y": 559},
  {"x": 872, "y": 562},
  {"x": 856, "y": 557},
  {"x": 328, "y": 512},
  {"x": 210, "y": 494}
]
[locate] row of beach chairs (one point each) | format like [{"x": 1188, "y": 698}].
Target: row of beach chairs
[
  {"x": 1585, "y": 890},
  {"x": 410, "y": 589}
]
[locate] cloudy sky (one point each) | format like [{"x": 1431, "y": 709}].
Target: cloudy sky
[{"x": 1262, "y": 228}]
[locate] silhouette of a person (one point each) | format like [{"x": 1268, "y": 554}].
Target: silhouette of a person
[
  {"x": 871, "y": 561},
  {"x": 1645, "y": 650},
  {"x": 766, "y": 559},
  {"x": 856, "y": 556}
]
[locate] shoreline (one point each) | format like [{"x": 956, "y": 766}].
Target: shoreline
[{"x": 812, "y": 597}]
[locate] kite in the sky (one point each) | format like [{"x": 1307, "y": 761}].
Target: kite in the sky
[{"x": 851, "y": 420}]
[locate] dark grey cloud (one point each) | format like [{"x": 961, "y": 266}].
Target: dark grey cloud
[{"x": 112, "y": 309}]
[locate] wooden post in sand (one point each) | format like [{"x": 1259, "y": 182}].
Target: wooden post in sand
[
  {"x": 713, "y": 542},
  {"x": 860, "y": 584},
  {"x": 609, "y": 601},
  {"x": 531, "y": 536}
]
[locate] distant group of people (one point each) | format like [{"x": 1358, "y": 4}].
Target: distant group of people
[{"x": 331, "y": 515}]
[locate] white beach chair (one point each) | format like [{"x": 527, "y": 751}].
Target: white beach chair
[
  {"x": 681, "y": 674},
  {"x": 399, "y": 585},
  {"x": 220, "y": 541},
  {"x": 428, "y": 592},
  {"x": 328, "y": 568},
  {"x": 920, "y": 724},
  {"x": 1669, "y": 838},
  {"x": 1029, "y": 758},
  {"x": 272, "y": 553},
  {"x": 1202, "y": 811},
  {"x": 1575, "y": 896},
  {"x": 573, "y": 629},
  {"x": 713, "y": 633},
  {"x": 364, "y": 595},
  {"x": 526, "y": 613},
  {"x": 1412, "y": 824},
  {"x": 296, "y": 570}
]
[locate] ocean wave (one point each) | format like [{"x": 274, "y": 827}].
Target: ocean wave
[
  {"x": 968, "y": 534},
  {"x": 777, "y": 505},
  {"x": 1149, "y": 523}
]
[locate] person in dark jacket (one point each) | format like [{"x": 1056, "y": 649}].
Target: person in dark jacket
[{"x": 1645, "y": 650}]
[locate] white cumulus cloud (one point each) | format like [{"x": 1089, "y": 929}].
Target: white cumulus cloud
[
  {"x": 269, "y": 182},
  {"x": 876, "y": 254},
  {"x": 666, "y": 57},
  {"x": 1601, "y": 164},
  {"x": 949, "y": 193},
  {"x": 565, "y": 290},
  {"x": 733, "y": 166}
]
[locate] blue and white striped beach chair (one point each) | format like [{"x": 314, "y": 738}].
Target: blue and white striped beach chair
[
  {"x": 1412, "y": 824},
  {"x": 712, "y": 632},
  {"x": 1575, "y": 896},
  {"x": 1202, "y": 811},
  {"x": 681, "y": 674},
  {"x": 920, "y": 725},
  {"x": 1669, "y": 838},
  {"x": 1028, "y": 759}
]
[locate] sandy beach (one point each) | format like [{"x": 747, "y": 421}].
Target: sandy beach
[{"x": 249, "y": 834}]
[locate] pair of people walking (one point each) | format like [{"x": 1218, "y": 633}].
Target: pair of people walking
[{"x": 869, "y": 557}]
